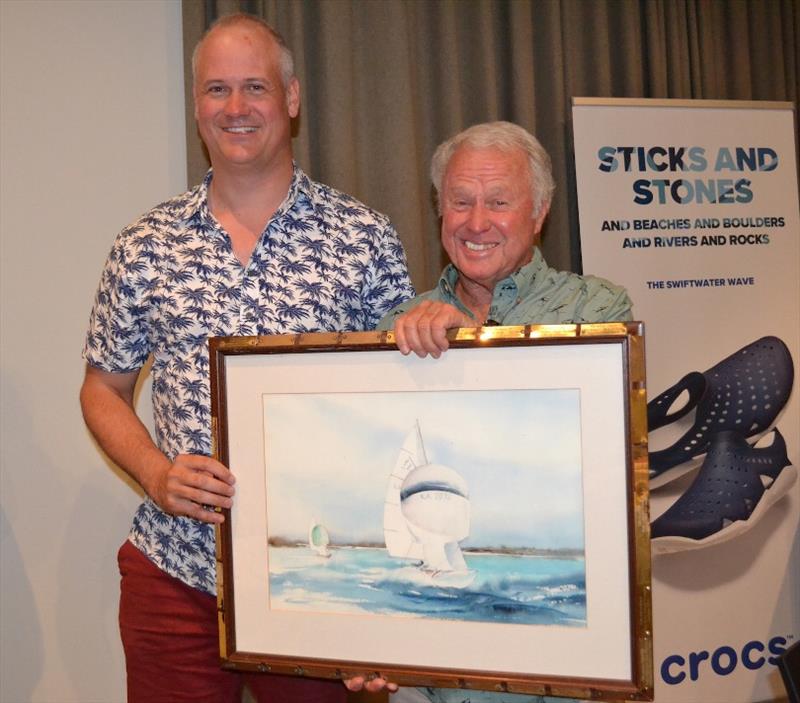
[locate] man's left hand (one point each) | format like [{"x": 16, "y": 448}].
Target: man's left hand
[{"x": 376, "y": 685}]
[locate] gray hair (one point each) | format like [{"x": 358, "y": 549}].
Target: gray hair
[
  {"x": 285, "y": 58},
  {"x": 505, "y": 136}
]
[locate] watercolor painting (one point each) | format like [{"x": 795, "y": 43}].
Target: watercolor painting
[{"x": 456, "y": 505}]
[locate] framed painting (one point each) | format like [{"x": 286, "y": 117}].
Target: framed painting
[{"x": 478, "y": 521}]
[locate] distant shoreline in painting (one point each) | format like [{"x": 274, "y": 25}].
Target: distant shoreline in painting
[
  {"x": 461, "y": 505},
  {"x": 518, "y": 551}
]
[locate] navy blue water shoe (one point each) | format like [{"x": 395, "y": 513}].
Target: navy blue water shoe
[
  {"x": 743, "y": 392},
  {"x": 733, "y": 489}
]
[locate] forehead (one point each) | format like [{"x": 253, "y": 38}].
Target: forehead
[
  {"x": 233, "y": 48},
  {"x": 486, "y": 166}
]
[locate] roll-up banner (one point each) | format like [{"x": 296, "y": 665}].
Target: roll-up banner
[{"x": 693, "y": 206}]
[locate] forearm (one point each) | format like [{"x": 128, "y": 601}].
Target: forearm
[
  {"x": 110, "y": 417},
  {"x": 193, "y": 485}
]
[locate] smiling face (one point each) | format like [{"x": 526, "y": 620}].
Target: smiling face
[
  {"x": 242, "y": 108},
  {"x": 488, "y": 225}
]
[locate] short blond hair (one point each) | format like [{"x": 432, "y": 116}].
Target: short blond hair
[
  {"x": 285, "y": 58},
  {"x": 506, "y": 136}
]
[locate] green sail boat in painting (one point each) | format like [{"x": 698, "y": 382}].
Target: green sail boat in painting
[{"x": 319, "y": 539}]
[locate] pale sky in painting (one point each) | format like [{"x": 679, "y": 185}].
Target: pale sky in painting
[{"x": 329, "y": 457}]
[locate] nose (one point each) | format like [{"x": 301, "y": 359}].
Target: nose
[
  {"x": 236, "y": 104},
  {"x": 478, "y": 218}
]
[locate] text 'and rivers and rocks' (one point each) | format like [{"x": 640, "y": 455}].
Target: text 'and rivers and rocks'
[{"x": 675, "y": 232}]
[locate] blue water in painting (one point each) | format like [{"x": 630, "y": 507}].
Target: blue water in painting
[{"x": 500, "y": 588}]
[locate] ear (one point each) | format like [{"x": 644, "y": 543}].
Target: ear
[
  {"x": 293, "y": 97},
  {"x": 194, "y": 100},
  {"x": 538, "y": 223}
]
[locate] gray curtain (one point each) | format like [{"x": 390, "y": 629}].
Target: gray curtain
[{"x": 385, "y": 81}]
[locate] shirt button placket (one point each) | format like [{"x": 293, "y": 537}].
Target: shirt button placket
[{"x": 243, "y": 327}]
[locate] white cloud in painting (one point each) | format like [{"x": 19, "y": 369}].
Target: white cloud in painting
[{"x": 330, "y": 455}]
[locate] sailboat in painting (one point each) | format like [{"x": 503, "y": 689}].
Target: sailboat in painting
[
  {"x": 426, "y": 514},
  {"x": 319, "y": 539}
]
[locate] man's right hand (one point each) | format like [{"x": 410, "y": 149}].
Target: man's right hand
[
  {"x": 193, "y": 485},
  {"x": 423, "y": 329}
]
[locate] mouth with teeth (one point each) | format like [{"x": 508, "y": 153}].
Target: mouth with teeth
[
  {"x": 239, "y": 130},
  {"x": 475, "y": 246}
]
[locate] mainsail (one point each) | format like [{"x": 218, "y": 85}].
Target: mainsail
[
  {"x": 399, "y": 540},
  {"x": 426, "y": 511}
]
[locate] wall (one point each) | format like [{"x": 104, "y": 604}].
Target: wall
[{"x": 92, "y": 135}]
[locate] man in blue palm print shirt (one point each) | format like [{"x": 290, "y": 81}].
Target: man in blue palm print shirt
[{"x": 256, "y": 248}]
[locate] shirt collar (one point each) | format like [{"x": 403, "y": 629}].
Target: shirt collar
[
  {"x": 447, "y": 287},
  {"x": 527, "y": 278},
  {"x": 196, "y": 204},
  {"x": 507, "y": 293}
]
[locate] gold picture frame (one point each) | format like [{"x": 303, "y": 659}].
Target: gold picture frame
[{"x": 546, "y": 425}]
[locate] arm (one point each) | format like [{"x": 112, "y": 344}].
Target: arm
[
  {"x": 423, "y": 329},
  {"x": 622, "y": 309},
  {"x": 387, "y": 282},
  {"x": 603, "y": 301},
  {"x": 188, "y": 486}
]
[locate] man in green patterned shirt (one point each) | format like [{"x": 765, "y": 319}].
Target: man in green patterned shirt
[{"x": 494, "y": 186}]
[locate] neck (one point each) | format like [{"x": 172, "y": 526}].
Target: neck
[
  {"x": 476, "y": 296},
  {"x": 243, "y": 203},
  {"x": 236, "y": 191}
]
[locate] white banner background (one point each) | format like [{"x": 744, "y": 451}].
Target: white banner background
[{"x": 721, "y": 613}]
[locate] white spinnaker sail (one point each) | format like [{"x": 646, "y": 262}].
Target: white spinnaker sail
[
  {"x": 438, "y": 519},
  {"x": 399, "y": 540}
]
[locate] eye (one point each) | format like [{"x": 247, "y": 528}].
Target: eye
[
  {"x": 459, "y": 200},
  {"x": 216, "y": 90},
  {"x": 256, "y": 88}
]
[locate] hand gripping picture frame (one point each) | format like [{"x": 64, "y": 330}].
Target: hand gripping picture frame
[{"x": 478, "y": 521}]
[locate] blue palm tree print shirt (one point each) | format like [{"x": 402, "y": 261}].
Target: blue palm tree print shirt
[{"x": 325, "y": 262}]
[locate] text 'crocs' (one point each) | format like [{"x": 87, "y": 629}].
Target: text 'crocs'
[
  {"x": 743, "y": 392},
  {"x": 735, "y": 486}
]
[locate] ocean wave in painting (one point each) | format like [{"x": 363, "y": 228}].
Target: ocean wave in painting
[{"x": 499, "y": 588}]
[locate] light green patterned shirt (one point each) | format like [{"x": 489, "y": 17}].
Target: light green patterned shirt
[
  {"x": 535, "y": 294},
  {"x": 455, "y": 695}
]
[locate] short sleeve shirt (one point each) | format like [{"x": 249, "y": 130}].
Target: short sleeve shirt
[
  {"x": 325, "y": 262},
  {"x": 535, "y": 294}
]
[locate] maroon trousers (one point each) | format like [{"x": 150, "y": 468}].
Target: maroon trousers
[{"x": 171, "y": 641}]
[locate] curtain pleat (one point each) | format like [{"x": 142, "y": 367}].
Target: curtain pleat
[{"x": 385, "y": 81}]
